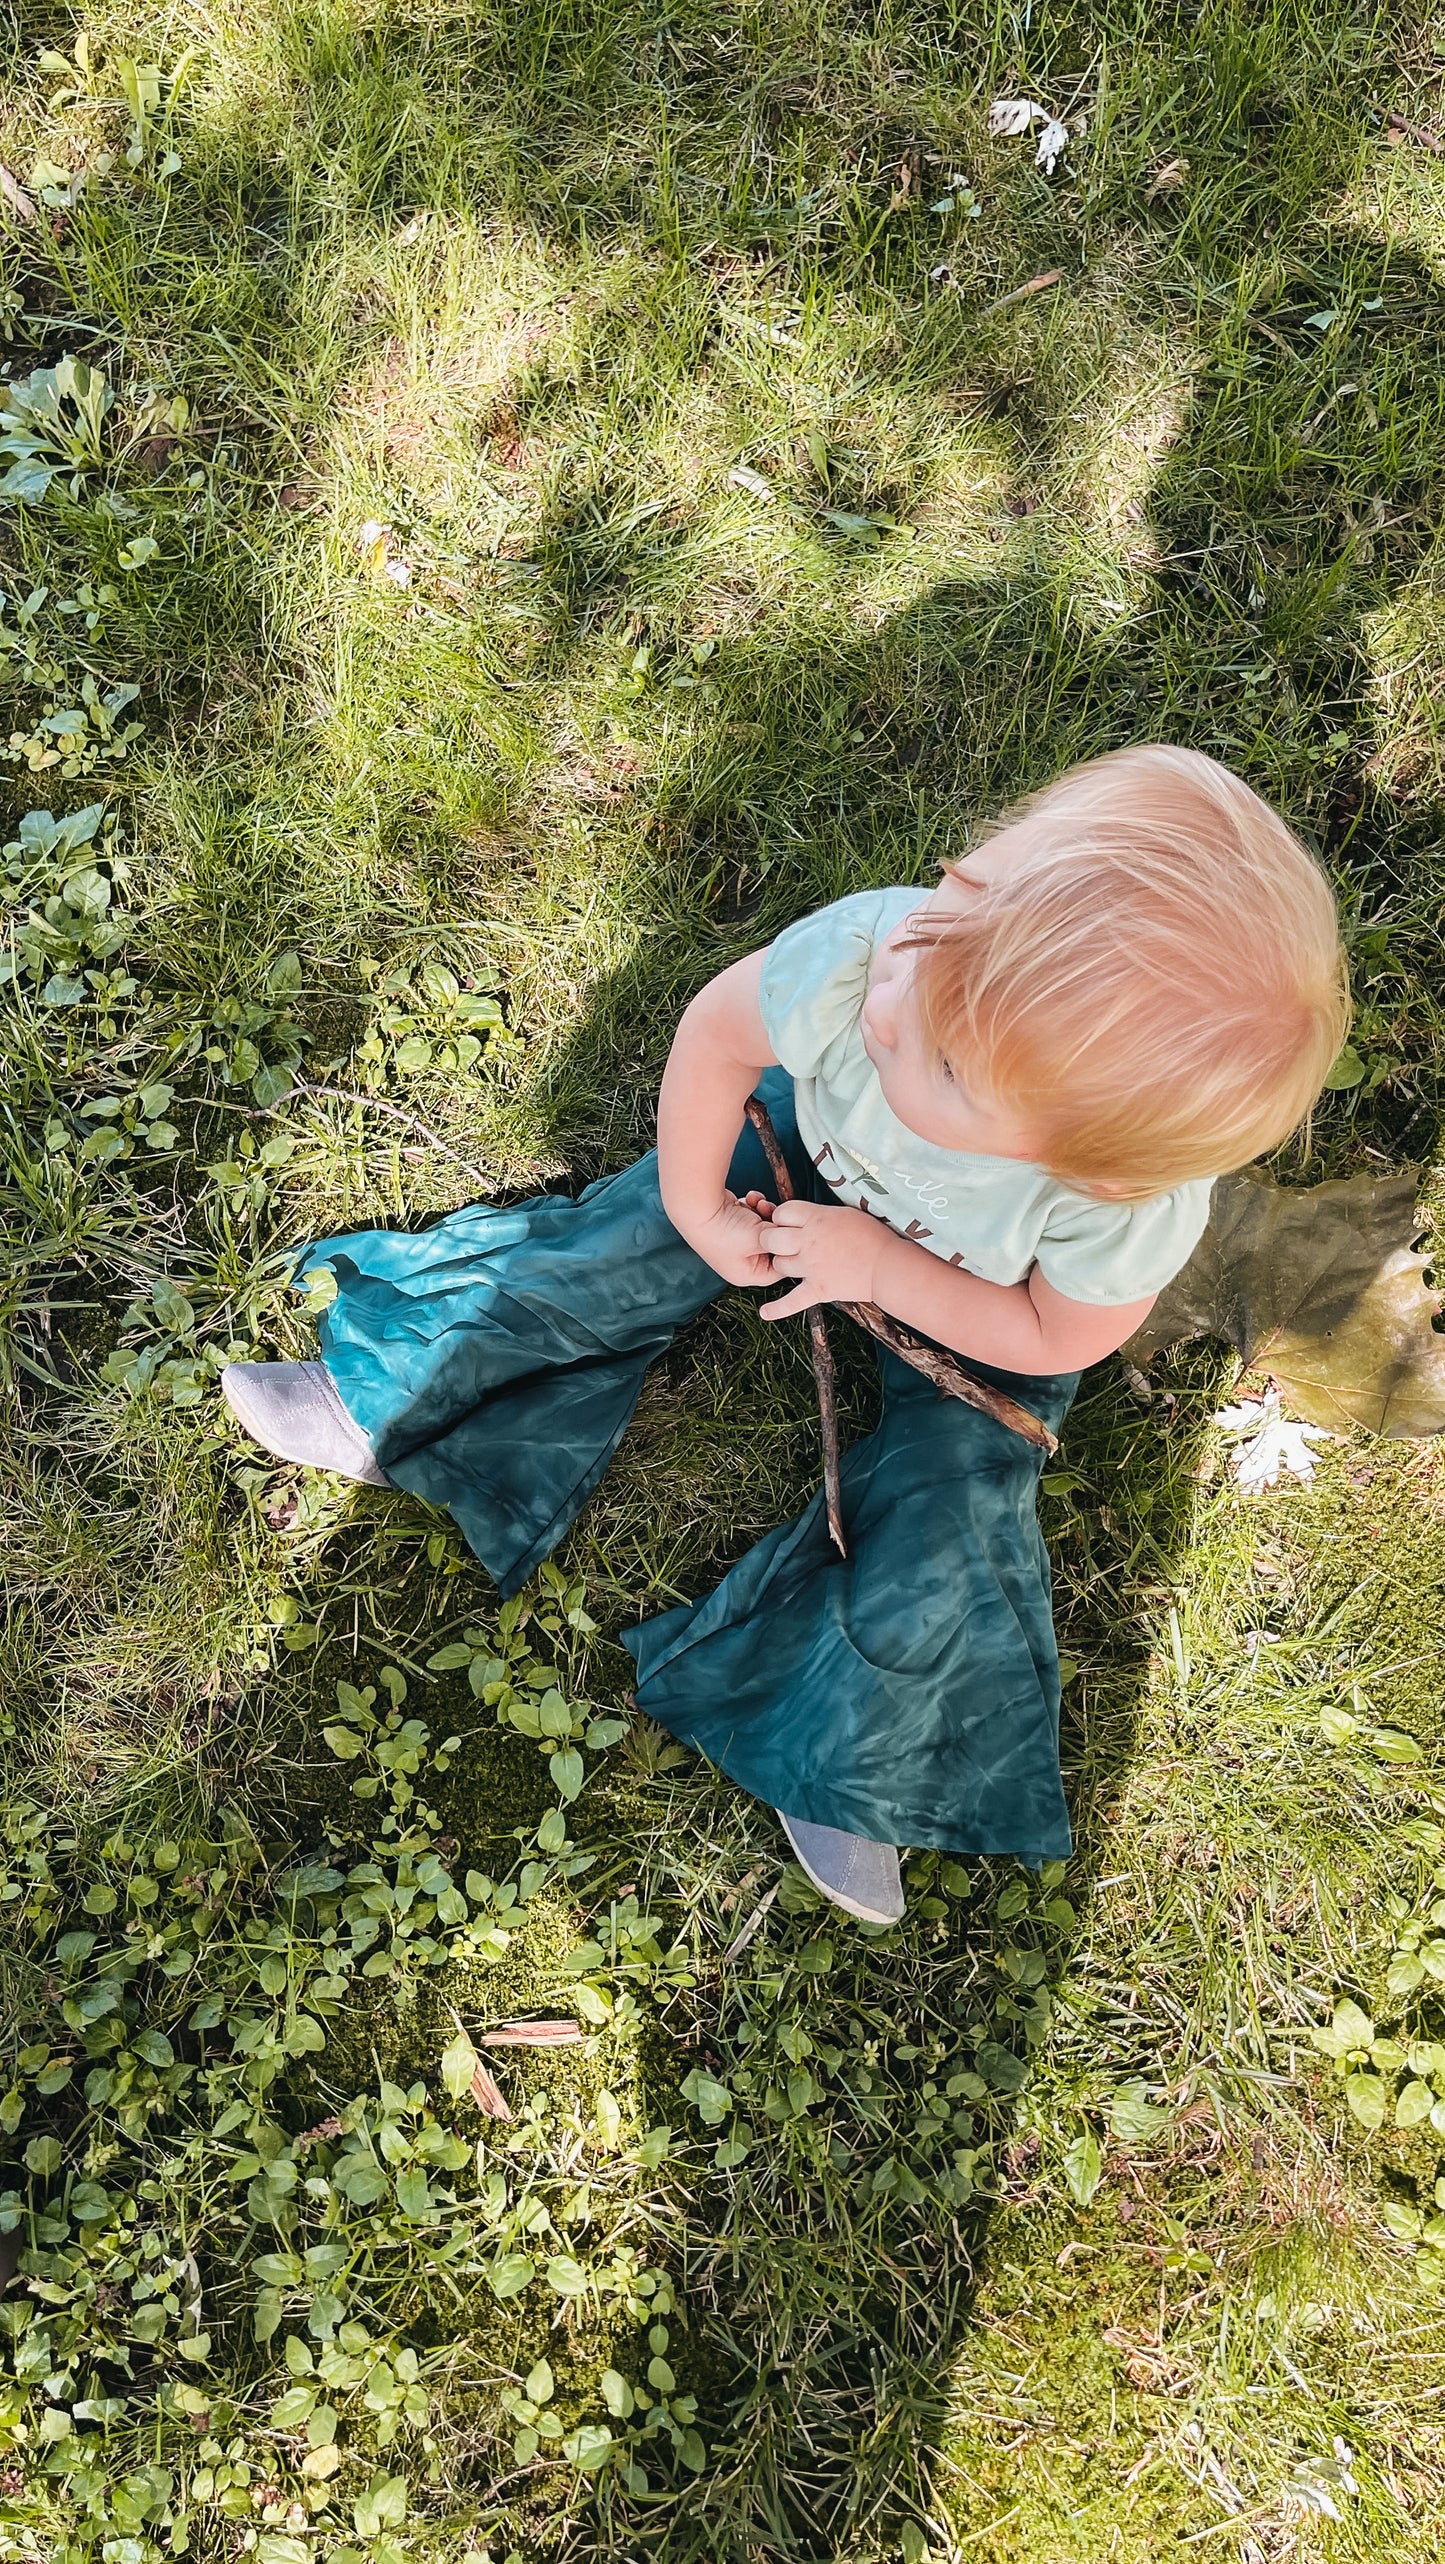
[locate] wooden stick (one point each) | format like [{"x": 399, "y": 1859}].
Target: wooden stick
[
  {"x": 821, "y": 1349},
  {"x": 944, "y": 1369},
  {"x": 948, "y": 1373},
  {"x": 1415, "y": 133},
  {"x": 1035, "y": 285}
]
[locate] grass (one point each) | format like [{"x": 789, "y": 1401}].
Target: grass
[{"x": 520, "y": 291}]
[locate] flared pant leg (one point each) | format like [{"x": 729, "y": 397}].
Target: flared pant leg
[
  {"x": 493, "y": 1359},
  {"x": 909, "y": 1692}
]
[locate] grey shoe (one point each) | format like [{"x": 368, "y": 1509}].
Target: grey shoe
[
  {"x": 862, "y": 1877},
  {"x": 293, "y": 1409}
]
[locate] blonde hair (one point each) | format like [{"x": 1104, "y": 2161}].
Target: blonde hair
[{"x": 1151, "y": 977}]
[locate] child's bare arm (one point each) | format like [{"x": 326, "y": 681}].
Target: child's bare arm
[
  {"x": 831, "y": 1253},
  {"x": 719, "y": 1052}
]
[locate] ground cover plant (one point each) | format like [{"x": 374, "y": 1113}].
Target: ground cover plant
[{"x": 501, "y": 507}]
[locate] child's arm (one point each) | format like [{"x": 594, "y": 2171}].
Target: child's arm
[
  {"x": 719, "y": 1053},
  {"x": 830, "y": 1253}
]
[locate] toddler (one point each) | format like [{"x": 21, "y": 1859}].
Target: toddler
[{"x": 1003, "y": 1104}]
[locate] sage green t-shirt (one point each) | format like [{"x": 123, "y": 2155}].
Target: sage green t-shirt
[{"x": 997, "y": 1216}]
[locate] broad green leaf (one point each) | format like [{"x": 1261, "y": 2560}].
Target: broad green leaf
[
  {"x": 1083, "y": 2166},
  {"x": 1413, "y": 2105},
  {"x": 566, "y": 2275},
  {"x": 510, "y": 2273},
  {"x": 1394, "y": 1746},
  {"x": 1001, "y": 2069},
  {"x": 1133, "y": 2117},
  {"x": 589, "y": 2446},
  {"x": 458, "y": 2064},
  {"x": 608, "y": 2116},
  {"x": 568, "y": 1772},
  {"x": 711, "y": 2100},
  {"x": 1352, "y": 2027},
  {"x": 1402, "y": 2219},
  {"x": 381, "y": 2506},
  {"x": 1365, "y": 2094}
]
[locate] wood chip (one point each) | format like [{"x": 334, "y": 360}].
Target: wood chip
[
  {"x": 488, "y": 2095},
  {"x": 534, "y": 2034},
  {"x": 13, "y": 194}
]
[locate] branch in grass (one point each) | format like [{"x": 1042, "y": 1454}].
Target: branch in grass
[{"x": 945, "y": 1370}]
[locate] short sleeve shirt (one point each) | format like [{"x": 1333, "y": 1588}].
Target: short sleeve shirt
[{"x": 995, "y": 1216}]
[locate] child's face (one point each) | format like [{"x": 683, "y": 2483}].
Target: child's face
[{"x": 930, "y": 1095}]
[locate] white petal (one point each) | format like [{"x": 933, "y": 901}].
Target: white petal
[
  {"x": 1053, "y": 141},
  {"x": 1015, "y": 115}
]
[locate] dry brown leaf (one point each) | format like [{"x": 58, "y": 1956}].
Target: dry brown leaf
[
  {"x": 1322, "y": 1288},
  {"x": 533, "y": 2034},
  {"x": 1170, "y": 173},
  {"x": 13, "y": 194},
  {"x": 488, "y": 2095}
]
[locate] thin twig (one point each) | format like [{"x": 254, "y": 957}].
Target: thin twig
[
  {"x": 949, "y": 1374},
  {"x": 821, "y": 1349},
  {"x": 943, "y": 1369},
  {"x": 534, "y": 2034},
  {"x": 1417, "y": 133},
  {"x": 753, "y": 1924},
  {"x": 1035, "y": 285}
]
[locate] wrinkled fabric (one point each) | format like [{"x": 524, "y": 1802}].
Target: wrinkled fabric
[{"x": 909, "y": 1693}]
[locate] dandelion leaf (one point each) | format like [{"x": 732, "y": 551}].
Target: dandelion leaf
[{"x": 1323, "y": 1288}]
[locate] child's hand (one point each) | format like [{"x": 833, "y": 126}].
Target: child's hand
[
  {"x": 735, "y": 1240},
  {"x": 825, "y": 1251}
]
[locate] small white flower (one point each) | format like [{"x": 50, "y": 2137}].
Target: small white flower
[
  {"x": 371, "y": 533},
  {"x": 1268, "y": 1442}
]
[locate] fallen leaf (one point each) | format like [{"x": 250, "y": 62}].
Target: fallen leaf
[
  {"x": 488, "y": 2095},
  {"x": 13, "y": 194},
  {"x": 1170, "y": 173},
  {"x": 1008, "y": 116},
  {"x": 534, "y": 2034},
  {"x": 1321, "y": 1287},
  {"x": 1269, "y": 1442}
]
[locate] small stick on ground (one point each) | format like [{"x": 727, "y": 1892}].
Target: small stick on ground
[
  {"x": 1401, "y": 125},
  {"x": 943, "y": 1369},
  {"x": 822, "y": 1350},
  {"x": 1036, "y": 285}
]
